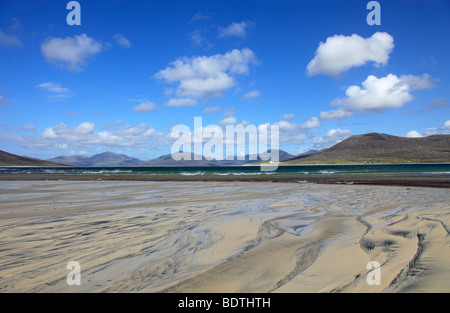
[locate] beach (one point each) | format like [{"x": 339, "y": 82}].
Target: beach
[{"x": 222, "y": 236}]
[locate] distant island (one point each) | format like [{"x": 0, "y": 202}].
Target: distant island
[{"x": 372, "y": 148}]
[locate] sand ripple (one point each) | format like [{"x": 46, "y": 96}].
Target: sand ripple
[{"x": 222, "y": 237}]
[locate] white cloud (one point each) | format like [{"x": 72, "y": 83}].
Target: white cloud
[
  {"x": 382, "y": 93},
  {"x": 84, "y": 135},
  {"x": 69, "y": 133},
  {"x": 228, "y": 120},
  {"x": 417, "y": 82},
  {"x": 335, "y": 115},
  {"x": 236, "y": 30},
  {"x": 181, "y": 102},
  {"x": 53, "y": 87},
  {"x": 211, "y": 110},
  {"x": 207, "y": 77},
  {"x": 292, "y": 133},
  {"x": 332, "y": 137},
  {"x": 122, "y": 41},
  {"x": 55, "y": 91},
  {"x": 198, "y": 40},
  {"x": 340, "y": 53},
  {"x": 445, "y": 126},
  {"x": 144, "y": 107},
  {"x": 312, "y": 122},
  {"x": 9, "y": 40},
  {"x": 413, "y": 134},
  {"x": 252, "y": 95},
  {"x": 71, "y": 52},
  {"x": 287, "y": 117},
  {"x": 288, "y": 126},
  {"x": 61, "y": 146}
]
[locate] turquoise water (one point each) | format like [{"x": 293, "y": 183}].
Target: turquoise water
[{"x": 243, "y": 171}]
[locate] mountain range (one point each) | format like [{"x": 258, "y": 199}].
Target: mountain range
[
  {"x": 358, "y": 149},
  {"x": 107, "y": 159}
]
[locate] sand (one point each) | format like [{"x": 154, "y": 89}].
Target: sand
[{"x": 223, "y": 237}]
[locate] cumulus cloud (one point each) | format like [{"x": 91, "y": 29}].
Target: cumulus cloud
[
  {"x": 332, "y": 137},
  {"x": 84, "y": 135},
  {"x": 9, "y": 40},
  {"x": 293, "y": 133},
  {"x": 288, "y": 126},
  {"x": 236, "y": 30},
  {"x": 252, "y": 95},
  {"x": 70, "y": 52},
  {"x": 63, "y": 131},
  {"x": 413, "y": 134},
  {"x": 228, "y": 120},
  {"x": 443, "y": 129},
  {"x": 122, "y": 41},
  {"x": 312, "y": 122},
  {"x": 144, "y": 107},
  {"x": 206, "y": 77},
  {"x": 340, "y": 53},
  {"x": 377, "y": 94},
  {"x": 445, "y": 126}
]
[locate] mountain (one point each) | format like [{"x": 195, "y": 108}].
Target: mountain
[
  {"x": 167, "y": 160},
  {"x": 282, "y": 156},
  {"x": 109, "y": 159},
  {"x": 310, "y": 151},
  {"x": 76, "y": 160},
  {"x": 368, "y": 148},
  {"x": 381, "y": 148},
  {"x": 186, "y": 159},
  {"x": 9, "y": 159},
  {"x": 106, "y": 159}
]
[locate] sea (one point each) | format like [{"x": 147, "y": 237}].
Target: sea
[{"x": 288, "y": 173}]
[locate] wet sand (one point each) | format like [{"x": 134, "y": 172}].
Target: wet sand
[{"x": 138, "y": 236}]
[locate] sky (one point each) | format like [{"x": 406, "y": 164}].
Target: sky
[{"x": 132, "y": 70}]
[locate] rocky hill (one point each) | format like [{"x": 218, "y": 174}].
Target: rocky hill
[
  {"x": 9, "y": 159},
  {"x": 382, "y": 148}
]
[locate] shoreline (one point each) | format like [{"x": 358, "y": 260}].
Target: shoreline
[{"x": 380, "y": 180}]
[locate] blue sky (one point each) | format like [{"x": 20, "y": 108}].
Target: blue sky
[{"x": 134, "y": 69}]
